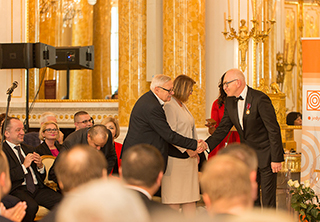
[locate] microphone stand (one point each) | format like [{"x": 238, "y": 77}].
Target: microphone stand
[{"x": 4, "y": 124}]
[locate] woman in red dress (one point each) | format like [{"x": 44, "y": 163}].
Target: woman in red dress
[{"x": 217, "y": 112}]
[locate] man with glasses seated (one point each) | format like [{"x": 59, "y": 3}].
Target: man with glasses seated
[
  {"x": 148, "y": 123},
  {"x": 82, "y": 120}
]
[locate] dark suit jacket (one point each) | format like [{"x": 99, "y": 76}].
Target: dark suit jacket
[
  {"x": 43, "y": 148},
  {"x": 148, "y": 124},
  {"x": 80, "y": 137},
  {"x": 17, "y": 174},
  {"x": 158, "y": 211},
  {"x": 32, "y": 139},
  {"x": 261, "y": 129},
  {"x": 3, "y": 219}
]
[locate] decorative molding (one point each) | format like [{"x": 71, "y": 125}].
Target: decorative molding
[{"x": 64, "y": 111}]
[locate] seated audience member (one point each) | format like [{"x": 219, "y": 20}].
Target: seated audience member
[
  {"x": 70, "y": 168},
  {"x": 49, "y": 133},
  {"x": 82, "y": 119},
  {"x": 32, "y": 138},
  {"x": 226, "y": 187},
  {"x": 98, "y": 137},
  {"x": 142, "y": 170},
  {"x": 16, "y": 213},
  {"x": 294, "y": 119},
  {"x": 27, "y": 171},
  {"x": 102, "y": 200},
  {"x": 112, "y": 124},
  {"x": 249, "y": 157}
]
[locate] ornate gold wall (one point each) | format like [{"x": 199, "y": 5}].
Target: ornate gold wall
[
  {"x": 101, "y": 76},
  {"x": 132, "y": 56},
  {"x": 81, "y": 80},
  {"x": 184, "y": 48}
]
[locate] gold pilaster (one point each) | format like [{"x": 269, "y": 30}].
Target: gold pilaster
[
  {"x": 184, "y": 48},
  {"x": 132, "y": 56},
  {"x": 299, "y": 57},
  {"x": 33, "y": 36},
  {"x": 81, "y": 80},
  {"x": 101, "y": 76}
]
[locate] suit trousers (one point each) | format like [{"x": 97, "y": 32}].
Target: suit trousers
[
  {"x": 45, "y": 197},
  {"x": 267, "y": 180}
]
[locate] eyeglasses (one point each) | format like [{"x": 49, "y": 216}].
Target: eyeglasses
[
  {"x": 226, "y": 84},
  {"x": 49, "y": 130},
  {"x": 168, "y": 90},
  {"x": 87, "y": 120}
]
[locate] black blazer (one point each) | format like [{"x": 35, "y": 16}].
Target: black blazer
[
  {"x": 261, "y": 128},
  {"x": 148, "y": 124},
  {"x": 80, "y": 137},
  {"x": 43, "y": 148},
  {"x": 17, "y": 174}
]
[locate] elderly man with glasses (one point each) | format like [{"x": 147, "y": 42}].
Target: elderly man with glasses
[
  {"x": 253, "y": 115},
  {"x": 148, "y": 123}
]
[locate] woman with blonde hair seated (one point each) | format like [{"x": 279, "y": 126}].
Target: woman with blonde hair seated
[
  {"x": 49, "y": 134},
  {"x": 112, "y": 124}
]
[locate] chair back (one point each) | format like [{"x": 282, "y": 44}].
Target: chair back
[{"x": 47, "y": 160}]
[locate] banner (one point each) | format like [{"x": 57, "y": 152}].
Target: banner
[{"x": 310, "y": 159}]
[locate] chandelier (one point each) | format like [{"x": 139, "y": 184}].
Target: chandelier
[{"x": 70, "y": 10}]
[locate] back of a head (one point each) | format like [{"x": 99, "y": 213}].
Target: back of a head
[
  {"x": 141, "y": 165},
  {"x": 44, "y": 117},
  {"x": 98, "y": 129},
  {"x": 159, "y": 80},
  {"x": 242, "y": 152},
  {"x": 4, "y": 168},
  {"x": 79, "y": 165},
  {"x": 226, "y": 178},
  {"x": 102, "y": 200}
]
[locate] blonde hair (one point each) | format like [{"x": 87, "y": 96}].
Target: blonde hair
[
  {"x": 115, "y": 122},
  {"x": 43, "y": 128},
  {"x": 182, "y": 85}
]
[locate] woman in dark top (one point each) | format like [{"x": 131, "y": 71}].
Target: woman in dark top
[{"x": 49, "y": 132}]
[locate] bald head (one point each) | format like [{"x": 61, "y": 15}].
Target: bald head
[
  {"x": 97, "y": 136},
  {"x": 234, "y": 82},
  {"x": 79, "y": 165}
]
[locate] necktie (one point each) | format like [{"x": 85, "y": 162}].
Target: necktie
[
  {"x": 238, "y": 98},
  {"x": 29, "y": 180}
]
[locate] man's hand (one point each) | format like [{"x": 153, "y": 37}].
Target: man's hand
[
  {"x": 276, "y": 167},
  {"x": 15, "y": 213},
  {"x": 202, "y": 146},
  {"x": 37, "y": 160},
  {"x": 28, "y": 160}
]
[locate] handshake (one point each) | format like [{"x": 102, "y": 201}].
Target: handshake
[{"x": 202, "y": 146}]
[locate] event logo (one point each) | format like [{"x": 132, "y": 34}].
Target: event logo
[{"x": 313, "y": 100}]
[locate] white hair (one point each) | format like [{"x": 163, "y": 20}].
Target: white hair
[
  {"x": 102, "y": 200},
  {"x": 159, "y": 80},
  {"x": 44, "y": 117}
]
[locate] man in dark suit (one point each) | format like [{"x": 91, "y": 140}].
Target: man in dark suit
[
  {"x": 148, "y": 123},
  {"x": 98, "y": 137},
  {"x": 27, "y": 171},
  {"x": 142, "y": 170},
  {"x": 253, "y": 115}
]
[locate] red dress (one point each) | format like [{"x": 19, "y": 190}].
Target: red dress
[{"x": 217, "y": 114}]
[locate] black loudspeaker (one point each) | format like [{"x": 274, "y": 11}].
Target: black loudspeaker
[
  {"x": 74, "y": 57},
  {"x": 16, "y": 56},
  {"x": 26, "y": 55},
  {"x": 44, "y": 55}
]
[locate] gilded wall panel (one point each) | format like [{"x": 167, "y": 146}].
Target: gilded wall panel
[
  {"x": 184, "y": 48},
  {"x": 132, "y": 56}
]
